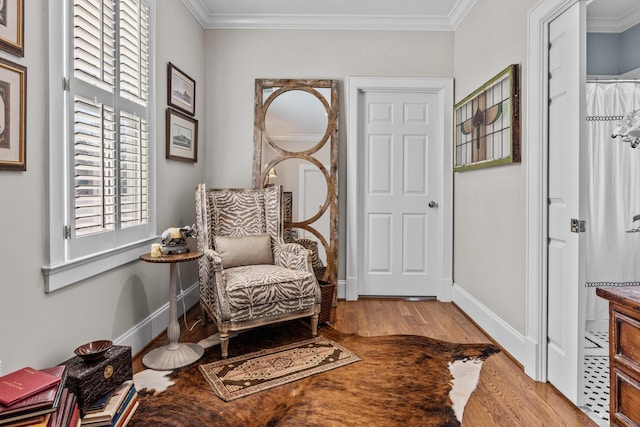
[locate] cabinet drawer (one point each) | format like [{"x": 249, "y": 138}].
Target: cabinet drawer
[
  {"x": 626, "y": 399},
  {"x": 626, "y": 339}
]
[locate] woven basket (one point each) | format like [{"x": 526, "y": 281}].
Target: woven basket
[{"x": 326, "y": 289}]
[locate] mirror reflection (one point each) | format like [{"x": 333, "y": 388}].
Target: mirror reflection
[{"x": 296, "y": 147}]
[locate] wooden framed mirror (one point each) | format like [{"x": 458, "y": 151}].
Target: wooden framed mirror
[{"x": 296, "y": 146}]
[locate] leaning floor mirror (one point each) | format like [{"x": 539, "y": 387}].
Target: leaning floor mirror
[{"x": 296, "y": 146}]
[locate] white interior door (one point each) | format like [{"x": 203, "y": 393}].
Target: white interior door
[
  {"x": 400, "y": 171},
  {"x": 565, "y": 259}
]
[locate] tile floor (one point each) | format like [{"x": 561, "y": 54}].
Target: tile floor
[{"x": 596, "y": 377}]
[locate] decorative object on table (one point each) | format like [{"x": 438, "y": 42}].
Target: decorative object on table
[
  {"x": 182, "y": 137},
  {"x": 92, "y": 380},
  {"x": 628, "y": 129},
  {"x": 487, "y": 124},
  {"x": 249, "y": 276},
  {"x": 93, "y": 350},
  {"x": 401, "y": 380},
  {"x": 12, "y": 27},
  {"x": 24, "y": 382},
  {"x": 41, "y": 403},
  {"x": 13, "y": 107},
  {"x": 181, "y": 90},
  {"x": 265, "y": 369},
  {"x": 175, "y": 354},
  {"x": 174, "y": 239},
  {"x": 156, "y": 250}
]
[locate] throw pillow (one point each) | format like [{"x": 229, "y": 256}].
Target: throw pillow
[{"x": 244, "y": 250}]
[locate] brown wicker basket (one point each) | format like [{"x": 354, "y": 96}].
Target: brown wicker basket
[{"x": 326, "y": 289}]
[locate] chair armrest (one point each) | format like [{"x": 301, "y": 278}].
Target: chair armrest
[
  {"x": 293, "y": 256},
  {"x": 212, "y": 286}
]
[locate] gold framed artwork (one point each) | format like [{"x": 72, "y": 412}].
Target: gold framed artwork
[
  {"x": 13, "y": 107},
  {"x": 181, "y": 90},
  {"x": 487, "y": 124},
  {"x": 12, "y": 26},
  {"x": 182, "y": 136}
]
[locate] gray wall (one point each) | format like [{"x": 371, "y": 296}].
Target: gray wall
[
  {"x": 39, "y": 329},
  {"x": 235, "y": 58},
  {"x": 489, "y": 204},
  {"x": 613, "y": 53}
]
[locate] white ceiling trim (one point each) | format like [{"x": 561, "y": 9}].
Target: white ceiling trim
[
  {"x": 614, "y": 25},
  {"x": 210, "y": 20}
]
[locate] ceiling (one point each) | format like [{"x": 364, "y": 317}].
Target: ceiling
[{"x": 602, "y": 15}]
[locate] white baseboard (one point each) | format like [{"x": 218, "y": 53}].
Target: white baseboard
[
  {"x": 144, "y": 332},
  {"x": 511, "y": 340},
  {"x": 342, "y": 289}
]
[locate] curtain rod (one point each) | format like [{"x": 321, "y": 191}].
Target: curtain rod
[{"x": 613, "y": 80}]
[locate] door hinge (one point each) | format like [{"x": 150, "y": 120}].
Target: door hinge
[
  {"x": 66, "y": 84},
  {"x": 577, "y": 226},
  {"x": 67, "y": 232}
]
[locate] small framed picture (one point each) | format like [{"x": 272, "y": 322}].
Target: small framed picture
[
  {"x": 13, "y": 100},
  {"x": 181, "y": 91},
  {"x": 12, "y": 26},
  {"x": 182, "y": 136}
]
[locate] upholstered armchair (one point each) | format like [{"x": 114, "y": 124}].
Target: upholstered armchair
[{"x": 248, "y": 275}]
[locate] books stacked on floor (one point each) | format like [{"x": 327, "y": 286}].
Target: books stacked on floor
[
  {"x": 31, "y": 397},
  {"x": 115, "y": 409}
]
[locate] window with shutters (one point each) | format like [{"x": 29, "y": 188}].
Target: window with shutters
[{"x": 100, "y": 180}]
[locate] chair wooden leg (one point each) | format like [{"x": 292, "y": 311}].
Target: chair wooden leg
[
  {"x": 224, "y": 342},
  {"x": 204, "y": 315},
  {"x": 314, "y": 325}
]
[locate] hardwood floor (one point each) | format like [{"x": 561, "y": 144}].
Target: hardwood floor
[{"x": 505, "y": 395}]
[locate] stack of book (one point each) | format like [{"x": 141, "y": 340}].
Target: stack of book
[
  {"x": 114, "y": 409},
  {"x": 31, "y": 397}
]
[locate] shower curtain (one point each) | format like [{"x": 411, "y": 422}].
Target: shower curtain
[{"x": 613, "y": 194}]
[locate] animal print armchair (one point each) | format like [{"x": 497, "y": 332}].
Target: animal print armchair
[{"x": 248, "y": 276}]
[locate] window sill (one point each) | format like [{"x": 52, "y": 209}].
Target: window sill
[{"x": 64, "y": 274}]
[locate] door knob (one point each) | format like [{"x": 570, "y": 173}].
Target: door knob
[{"x": 433, "y": 204}]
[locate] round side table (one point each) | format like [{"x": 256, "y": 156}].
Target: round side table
[{"x": 175, "y": 354}]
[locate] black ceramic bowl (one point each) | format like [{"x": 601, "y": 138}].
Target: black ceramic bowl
[{"x": 93, "y": 350}]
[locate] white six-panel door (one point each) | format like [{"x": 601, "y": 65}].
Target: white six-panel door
[
  {"x": 399, "y": 181},
  {"x": 565, "y": 266}
]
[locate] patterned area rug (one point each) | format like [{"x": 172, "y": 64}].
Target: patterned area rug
[
  {"x": 262, "y": 370},
  {"x": 401, "y": 380}
]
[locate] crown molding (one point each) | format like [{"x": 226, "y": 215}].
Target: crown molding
[
  {"x": 209, "y": 20},
  {"x": 614, "y": 25}
]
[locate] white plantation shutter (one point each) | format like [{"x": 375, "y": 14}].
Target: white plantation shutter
[{"x": 110, "y": 89}]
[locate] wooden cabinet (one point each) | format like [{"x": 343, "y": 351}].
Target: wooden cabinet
[{"x": 624, "y": 354}]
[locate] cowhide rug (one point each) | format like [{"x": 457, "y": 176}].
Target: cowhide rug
[{"x": 401, "y": 380}]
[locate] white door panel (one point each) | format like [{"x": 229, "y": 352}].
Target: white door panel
[
  {"x": 400, "y": 182},
  {"x": 566, "y": 128}
]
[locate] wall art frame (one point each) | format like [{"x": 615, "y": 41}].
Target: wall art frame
[
  {"x": 182, "y": 137},
  {"x": 487, "y": 124},
  {"x": 181, "y": 90},
  {"x": 13, "y": 117},
  {"x": 12, "y": 27}
]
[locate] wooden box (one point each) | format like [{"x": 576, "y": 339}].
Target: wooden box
[{"x": 89, "y": 381}]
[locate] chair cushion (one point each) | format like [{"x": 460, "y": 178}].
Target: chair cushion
[
  {"x": 244, "y": 250},
  {"x": 260, "y": 285}
]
